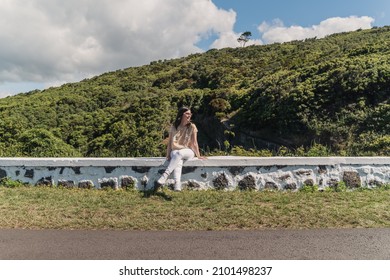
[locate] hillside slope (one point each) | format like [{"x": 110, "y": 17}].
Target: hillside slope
[{"x": 332, "y": 92}]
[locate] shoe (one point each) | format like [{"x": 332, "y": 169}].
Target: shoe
[{"x": 162, "y": 179}]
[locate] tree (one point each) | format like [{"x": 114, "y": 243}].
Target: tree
[{"x": 244, "y": 38}]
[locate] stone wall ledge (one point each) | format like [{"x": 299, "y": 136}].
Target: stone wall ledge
[
  {"x": 222, "y": 172},
  {"x": 216, "y": 161}
]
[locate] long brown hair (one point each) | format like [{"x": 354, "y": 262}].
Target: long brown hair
[{"x": 179, "y": 116}]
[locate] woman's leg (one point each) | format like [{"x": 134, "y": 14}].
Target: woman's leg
[
  {"x": 186, "y": 154},
  {"x": 175, "y": 165}
]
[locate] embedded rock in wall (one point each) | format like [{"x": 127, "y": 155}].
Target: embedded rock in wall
[
  {"x": 290, "y": 186},
  {"x": 66, "y": 183},
  {"x": 128, "y": 182},
  {"x": 86, "y": 184},
  {"x": 352, "y": 179},
  {"x": 221, "y": 182},
  {"x": 247, "y": 183},
  {"x": 3, "y": 173},
  {"x": 29, "y": 173},
  {"x": 333, "y": 183},
  {"x": 309, "y": 182},
  {"x": 47, "y": 181},
  {"x": 111, "y": 183},
  {"x": 271, "y": 186},
  {"x": 374, "y": 183},
  {"x": 191, "y": 185}
]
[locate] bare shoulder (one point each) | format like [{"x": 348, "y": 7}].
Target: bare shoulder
[{"x": 193, "y": 127}]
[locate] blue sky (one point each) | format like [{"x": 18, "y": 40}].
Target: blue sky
[
  {"x": 51, "y": 42},
  {"x": 251, "y": 13}
]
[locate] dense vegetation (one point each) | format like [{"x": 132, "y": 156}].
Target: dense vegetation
[{"x": 314, "y": 97}]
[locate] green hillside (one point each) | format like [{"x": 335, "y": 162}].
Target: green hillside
[{"x": 314, "y": 97}]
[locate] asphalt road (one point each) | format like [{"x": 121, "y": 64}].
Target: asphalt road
[{"x": 311, "y": 244}]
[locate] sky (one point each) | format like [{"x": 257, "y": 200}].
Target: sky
[{"x": 47, "y": 43}]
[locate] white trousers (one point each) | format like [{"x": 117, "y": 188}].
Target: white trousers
[{"x": 176, "y": 164}]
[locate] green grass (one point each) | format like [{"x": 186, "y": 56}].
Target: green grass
[{"x": 59, "y": 208}]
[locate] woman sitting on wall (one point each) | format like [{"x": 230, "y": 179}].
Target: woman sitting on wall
[{"x": 182, "y": 145}]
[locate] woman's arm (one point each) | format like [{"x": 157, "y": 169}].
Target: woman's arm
[
  {"x": 196, "y": 145},
  {"x": 169, "y": 146}
]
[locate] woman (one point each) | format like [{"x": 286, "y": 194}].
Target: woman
[{"x": 182, "y": 145}]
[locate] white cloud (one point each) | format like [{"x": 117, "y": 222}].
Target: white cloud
[
  {"x": 277, "y": 32},
  {"x": 47, "y": 41},
  {"x": 229, "y": 39}
]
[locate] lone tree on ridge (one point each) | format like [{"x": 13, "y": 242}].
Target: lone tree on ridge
[{"x": 244, "y": 37}]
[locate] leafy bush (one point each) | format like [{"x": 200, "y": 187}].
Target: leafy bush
[
  {"x": 339, "y": 187},
  {"x": 9, "y": 183}
]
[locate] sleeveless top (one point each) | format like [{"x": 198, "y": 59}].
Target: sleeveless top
[{"x": 182, "y": 138}]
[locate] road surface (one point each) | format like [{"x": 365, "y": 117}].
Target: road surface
[{"x": 284, "y": 244}]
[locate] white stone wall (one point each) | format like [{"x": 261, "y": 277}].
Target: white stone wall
[{"x": 228, "y": 173}]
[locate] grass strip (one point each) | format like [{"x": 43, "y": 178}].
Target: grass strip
[{"x": 59, "y": 208}]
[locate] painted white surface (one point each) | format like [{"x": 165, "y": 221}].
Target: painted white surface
[{"x": 281, "y": 171}]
